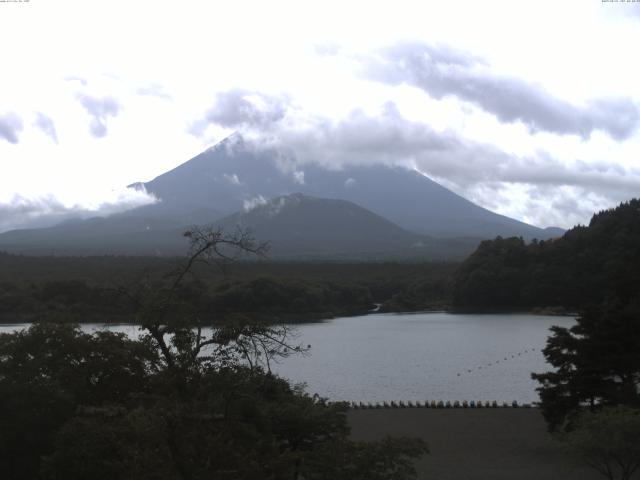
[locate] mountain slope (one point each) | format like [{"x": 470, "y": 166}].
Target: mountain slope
[
  {"x": 234, "y": 173},
  {"x": 296, "y": 226},
  {"x": 235, "y": 176},
  {"x": 301, "y": 224},
  {"x": 116, "y": 234}
]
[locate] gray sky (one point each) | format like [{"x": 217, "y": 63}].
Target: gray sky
[{"x": 531, "y": 109}]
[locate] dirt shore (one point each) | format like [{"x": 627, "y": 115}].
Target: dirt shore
[{"x": 475, "y": 444}]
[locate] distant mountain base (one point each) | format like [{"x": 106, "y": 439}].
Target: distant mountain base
[{"x": 296, "y": 227}]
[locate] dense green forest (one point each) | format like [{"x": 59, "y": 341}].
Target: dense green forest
[
  {"x": 584, "y": 266},
  {"x": 85, "y": 289}
]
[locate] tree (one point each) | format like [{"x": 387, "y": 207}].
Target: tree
[
  {"x": 608, "y": 441},
  {"x": 597, "y": 363},
  {"x": 50, "y": 370},
  {"x": 586, "y": 265},
  {"x": 193, "y": 398}
]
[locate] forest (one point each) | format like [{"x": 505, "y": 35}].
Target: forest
[
  {"x": 96, "y": 289},
  {"x": 585, "y": 266}
]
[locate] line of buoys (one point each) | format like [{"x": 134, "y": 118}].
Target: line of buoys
[
  {"x": 439, "y": 404},
  {"x": 491, "y": 364}
]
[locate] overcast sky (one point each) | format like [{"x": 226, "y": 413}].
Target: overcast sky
[{"x": 528, "y": 108}]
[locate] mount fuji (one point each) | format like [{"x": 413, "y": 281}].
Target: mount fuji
[{"x": 362, "y": 208}]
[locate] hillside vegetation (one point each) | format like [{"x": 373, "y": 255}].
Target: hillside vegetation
[
  {"x": 94, "y": 289},
  {"x": 586, "y": 265}
]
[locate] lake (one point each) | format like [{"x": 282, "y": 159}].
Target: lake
[{"x": 416, "y": 356}]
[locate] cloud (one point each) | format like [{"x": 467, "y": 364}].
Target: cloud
[
  {"x": 387, "y": 137},
  {"x": 232, "y": 179},
  {"x": 359, "y": 138},
  {"x": 154, "y": 90},
  {"x": 544, "y": 205},
  {"x": 252, "y": 203},
  {"x": 44, "y": 123},
  {"x": 100, "y": 108},
  {"x": 537, "y": 188},
  {"x": 326, "y": 49},
  {"x": 23, "y": 212},
  {"x": 238, "y": 108},
  {"x": 481, "y": 172},
  {"x": 442, "y": 72},
  {"x": 621, "y": 9},
  {"x": 298, "y": 177},
  {"x": 75, "y": 78},
  {"x": 10, "y": 127}
]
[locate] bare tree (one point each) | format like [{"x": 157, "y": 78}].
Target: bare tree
[{"x": 186, "y": 336}]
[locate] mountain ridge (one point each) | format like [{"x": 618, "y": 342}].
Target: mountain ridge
[
  {"x": 234, "y": 171},
  {"x": 224, "y": 182}
]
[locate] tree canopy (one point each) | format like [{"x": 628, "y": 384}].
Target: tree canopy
[
  {"x": 597, "y": 363},
  {"x": 585, "y": 266}
]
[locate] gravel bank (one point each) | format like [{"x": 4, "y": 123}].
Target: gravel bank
[{"x": 475, "y": 444}]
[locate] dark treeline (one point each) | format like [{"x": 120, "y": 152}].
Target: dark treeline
[
  {"x": 85, "y": 289},
  {"x": 585, "y": 266}
]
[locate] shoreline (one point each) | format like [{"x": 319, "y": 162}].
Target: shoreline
[{"x": 293, "y": 319}]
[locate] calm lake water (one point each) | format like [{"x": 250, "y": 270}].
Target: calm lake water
[{"x": 416, "y": 357}]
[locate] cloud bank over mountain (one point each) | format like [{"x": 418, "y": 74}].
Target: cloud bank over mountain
[
  {"x": 480, "y": 171},
  {"x": 533, "y": 115},
  {"x": 22, "y": 212}
]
